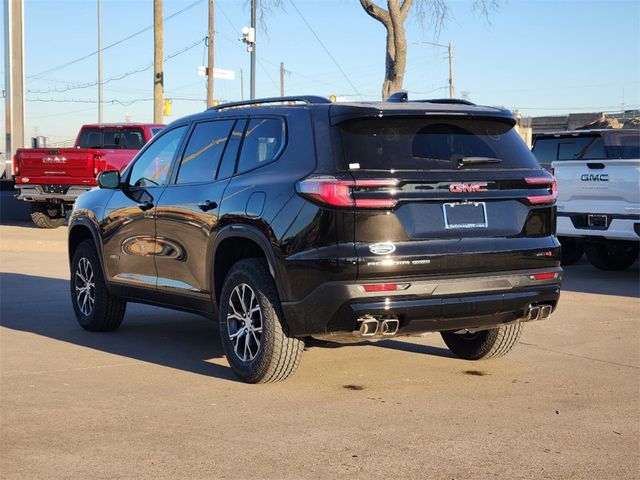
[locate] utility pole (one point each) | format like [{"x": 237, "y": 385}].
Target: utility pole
[
  {"x": 451, "y": 85},
  {"x": 210, "y": 57},
  {"x": 14, "y": 79},
  {"x": 158, "y": 74},
  {"x": 281, "y": 79},
  {"x": 241, "y": 84},
  {"x": 253, "y": 51},
  {"x": 450, "y": 49},
  {"x": 99, "y": 61}
]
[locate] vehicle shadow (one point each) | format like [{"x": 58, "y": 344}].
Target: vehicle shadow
[
  {"x": 161, "y": 336},
  {"x": 155, "y": 335},
  {"x": 584, "y": 277}
]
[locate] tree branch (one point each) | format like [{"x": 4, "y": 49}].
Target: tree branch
[
  {"x": 376, "y": 12},
  {"x": 404, "y": 9}
]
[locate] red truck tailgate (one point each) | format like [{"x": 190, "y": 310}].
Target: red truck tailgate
[{"x": 63, "y": 166}]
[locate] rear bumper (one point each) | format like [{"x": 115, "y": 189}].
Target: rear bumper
[
  {"x": 619, "y": 227},
  {"x": 426, "y": 305},
  {"x": 39, "y": 193}
]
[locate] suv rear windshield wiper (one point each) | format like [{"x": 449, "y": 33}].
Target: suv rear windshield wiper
[{"x": 464, "y": 161}]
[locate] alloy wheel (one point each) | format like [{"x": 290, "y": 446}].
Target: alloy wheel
[
  {"x": 85, "y": 286},
  {"x": 244, "y": 321}
]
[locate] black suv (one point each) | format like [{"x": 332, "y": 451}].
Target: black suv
[{"x": 296, "y": 217}]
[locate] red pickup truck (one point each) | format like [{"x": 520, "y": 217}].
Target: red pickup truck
[{"x": 52, "y": 178}]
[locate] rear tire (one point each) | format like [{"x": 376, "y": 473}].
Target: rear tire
[
  {"x": 611, "y": 255},
  {"x": 255, "y": 338},
  {"x": 492, "y": 343},
  {"x": 46, "y": 216},
  {"x": 572, "y": 250},
  {"x": 96, "y": 309}
]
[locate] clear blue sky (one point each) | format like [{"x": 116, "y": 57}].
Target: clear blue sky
[{"x": 542, "y": 57}]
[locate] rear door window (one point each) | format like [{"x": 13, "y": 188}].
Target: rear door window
[
  {"x": 433, "y": 144},
  {"x": 263, "y": 140},
  {"x": 203, "y": 152},
  {"x": 151, "y": 168}
]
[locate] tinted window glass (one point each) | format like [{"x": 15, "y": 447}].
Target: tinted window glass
[
  {"x": 202, "y": 154},
  {"x": 231, "y": 152},
  {"x": 623, "y": 144},
  {"x": 111, "y": 138},
  {"x": 90, "y": 138},
  {"x": 581, "y": 148},
  {"x": 546, "y": 150},
  {"x": 430, "y": 144},
  {"x": 262, "y": 142},
  {"x": 152, "y": 167}
]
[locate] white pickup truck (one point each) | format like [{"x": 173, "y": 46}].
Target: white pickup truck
[{"x": 598, "y": 175}]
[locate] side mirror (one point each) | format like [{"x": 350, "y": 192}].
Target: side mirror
[{"x": 109, "y": 179}]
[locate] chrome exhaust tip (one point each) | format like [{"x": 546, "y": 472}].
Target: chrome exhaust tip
[
  {"x": 390, "y": 327},
  {"x": 545, "y": 311},
  {"x": 368, "y": 327},
  {"x": 534, "y": 314}
]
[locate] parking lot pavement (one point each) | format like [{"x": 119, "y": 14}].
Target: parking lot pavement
[{"x": 156, "y": 399}]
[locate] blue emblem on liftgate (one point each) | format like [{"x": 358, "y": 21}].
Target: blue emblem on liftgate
[{"x": 384, "y": 248}]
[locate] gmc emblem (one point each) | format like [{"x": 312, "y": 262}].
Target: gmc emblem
[
  {"x": 468, "y": 187},
  {"x": 597, "y": 177}
]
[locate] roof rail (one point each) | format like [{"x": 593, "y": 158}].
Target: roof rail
[
  {"x": 308, "y": 99},
  {"x": 454, "y": 101}
]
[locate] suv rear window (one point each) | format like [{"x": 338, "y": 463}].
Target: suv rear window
[{"x": 432, "y": 144}]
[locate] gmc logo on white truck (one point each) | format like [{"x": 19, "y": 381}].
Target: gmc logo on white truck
[{"x": 594, "y": 177}]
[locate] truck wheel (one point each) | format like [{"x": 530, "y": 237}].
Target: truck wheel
[
  {"x": 254, "y": 336},
  {"x": 45, "y": 215},
  {"x": 611, "y": 255},
  {"x": 492, "y": 343},
  {"x": 96, "y": 309},
  {"x": 572, "y": 250}
]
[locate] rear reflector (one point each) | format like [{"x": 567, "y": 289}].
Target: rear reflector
[
  {"x": 550, "y": 183},
  {"x": 385, "y": 287},
  {"x": 544, "y": 276},
  {"x": 339, "y": 193}
]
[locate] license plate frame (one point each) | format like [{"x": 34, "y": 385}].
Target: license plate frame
[
  {"x": 476, "y": 213},
  {"x": 597, "y": 221}
]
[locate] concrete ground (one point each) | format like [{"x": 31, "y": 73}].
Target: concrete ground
[{"x": 156, "y": 399}]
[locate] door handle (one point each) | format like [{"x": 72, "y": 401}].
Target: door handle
[
  {"x": 144, "y": 206},
  {"x": 207, "y": 205}
]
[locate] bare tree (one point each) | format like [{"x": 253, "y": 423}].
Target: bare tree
[{"x": 393, "y": 19}]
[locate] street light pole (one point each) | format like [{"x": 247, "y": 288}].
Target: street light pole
[
  {"x": 99, "y": 61},
  {"x": 210, "y": 57},
  {"x": 253, "y": 51},
  {"x": 449, "y": 48}
]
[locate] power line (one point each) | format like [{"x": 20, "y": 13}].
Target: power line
[
  {"x": 325, "y": 48},
  {"x": 116, "y": 77},
  {"x": 139, "y": 32},
  {"x": 124, "y": 103}
]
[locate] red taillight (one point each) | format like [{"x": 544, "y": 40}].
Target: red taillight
[
  {"x": 338, "y": 193},
  {"x": 550, "y": 182},
  {"x": 99, "y": 163},
  {"x": 544, "y": 276},
  {"x": 16, "y": 168},
  {"x": 385, "y": 287}
]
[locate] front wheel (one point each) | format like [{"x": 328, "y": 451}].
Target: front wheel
[
  {"x": 96, "y": 309},
  {"x": 254, "y": 336},
  {"x": 492, "y": 343},
  {"x": 611, "y": 255},
  {"x": 46, "y": 215}
]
